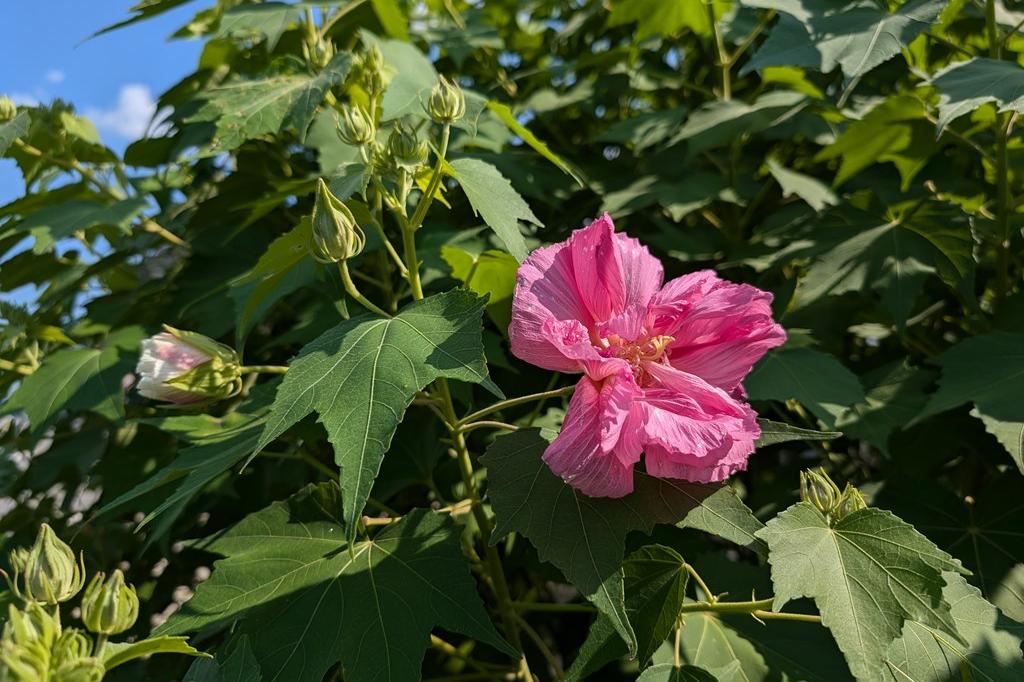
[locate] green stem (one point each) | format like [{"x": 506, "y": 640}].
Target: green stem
[
  {"x": 708, "y": 594},
  {"x": 353, "y": 290},
  {"x": 677, "y": 649},
  {"x": 263, "y": 369},
  {"x": 486, "y": 424},
  {"x": 512, "y": 402},
  {"x": 757, "y": 609},
  {"x": 411, "y": 259},
  {"x": 493, "y": 561},
  {"x": 1005, "y": 123},
  {"x": 339, "y": 15},
  {"x": 992, "y": 29},
  {"x": 101, "y": 644},
  {"x": 542, "y": 646},
  {"x": 435, "y": 181},
  {"x": 723, "y": 56},
  {"x": 761, "y": 26}
]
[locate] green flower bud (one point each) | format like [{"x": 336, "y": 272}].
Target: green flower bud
[
  {"x": 81, "y": 670},
  {"x": 185, "y": 367},
  {"x": 373, "y": 71},
  {"x": 819, "y": 490},
  {"x": 8, "y": 109},
  {"x": 355, "y": 126},
  {"x": 72, "y": 645},
  {"x": 336, "y": 234},
  {"x": 109, "y": 606},
  {"x": 28, "y": 639},
  {"x": 850, "y": 502},
  {"x": 447, "y": 102},
  {"x": 407, "y": 150},
  {"x": 49, "y": 572}
]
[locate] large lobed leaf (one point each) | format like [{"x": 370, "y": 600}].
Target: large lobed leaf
[
  {"x": 360, "y": 376},
  {"x": 585, "y": 537},
  {"x": 868, "y": 574},
  {"x": 965, "y": 86},
  {"x": 307, "y": 599}
]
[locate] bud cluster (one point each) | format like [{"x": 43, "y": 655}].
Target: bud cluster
[
  {"x": 34, "y": 646},
  {"x": 820, "y": 491}
]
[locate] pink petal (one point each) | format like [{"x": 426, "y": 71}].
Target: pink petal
[
  {"x": 720, "y": 329},
  {"x": 583, "y": 453}
]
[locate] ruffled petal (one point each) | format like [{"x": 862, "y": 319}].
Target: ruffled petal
[
  {"x": 692, "y": 430},
  {"x": 548, "y": 314},
  {"x": 584, "y": 453},
  {"x": 720, "y": 329}
]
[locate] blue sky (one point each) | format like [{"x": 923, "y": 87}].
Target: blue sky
[{"x": 113, "y": 78}]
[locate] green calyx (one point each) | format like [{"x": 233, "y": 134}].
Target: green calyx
[
  {"x": 447, "y": 102},
  {"x": 109, "y": 605},
  {"x": 218, "y": 378},
  {"x": 820, "y": 491},
  {"x": 355, "y": 126}
]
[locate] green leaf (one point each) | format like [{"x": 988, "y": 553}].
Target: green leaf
[
  {"x": 896, "y": 130},
  {"x": 78, "y": 379},
  {"x": 412, "y": 77},
  {"x": 655, "y": 579},
  {"x": 509, "y": 119},
  {"x": 251, "y": 108},
  {"x": 985, "y": 370},
  {"x": 235, "y": 662},
  {"x": 391, "y": 18},
  {"x": 925, "y": 654},
  {"x": 57, "y": 221},
  {"x": 495, "y": 200},
  {"x": 856, "y": 38},
  {"x": 361, "y": 375},
  {"x": 269, "y": 20},
  {"x": 680, "y": 196},
  {"x": 965, "y": 86},
  {"x": 13, "y": 129},
  {"x": 119, "y": 653},
  {"x": 283, "y": 268},
  {"x": 777, "y": 432},
  {"x": 665, "y": 17},
  {"x": 195, "y": 467},
  {"x": 667, "y": 672},
  {"x": 144, "y": 9},
  {"x": 585, "y": 537},
  {"x": 868, "y": 574},
  {"x": 892, "y": 256},
  {"x": 1009, "y": 433},
  {"x": 895, "y": 395},
  {"x": 816, "y": 193},
  {"x": 306, "y": 599},
  {"x": 721, "y": 122},
  {"x": 491, "y": 274},
  {"x": 815, "y": 379}
]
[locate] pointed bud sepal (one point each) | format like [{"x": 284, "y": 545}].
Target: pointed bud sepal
[
  {"x": 355, "y": 126},
  {"x": 408, "y": 152},
  {"x": 109, "y": 605},
  {"x": 28, "y": 639},
  {"x": 48, "y": 573},
  {"x": 850, "y": 501},
  {"x": 217, "y": 378},
  {"x": 817, "y": 489},
  {"x": 336, "y": 236},
  {"x": 447, "y": 102}
]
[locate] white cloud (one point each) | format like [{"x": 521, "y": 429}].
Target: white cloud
[
  {"x": 130, "y": 117},
  {"x": 55, "y": 76}
]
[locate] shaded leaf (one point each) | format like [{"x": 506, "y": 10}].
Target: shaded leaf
[
  {"x": 495, "y": 200},
  {"x": 778, "y": 432},
  {"x": 55, "y": 222},
  {"x": 269, "y": 19},
  {"x": 965, "y": 86},
  {"x": 669, "y": 673},
  {"x": 235, "y": 662},
  {"x": 817, "y": 380},
  {"x": 655, "y": 580},
  {"x": 306, "y": 599},
  {"x": 817, "y": 194}
]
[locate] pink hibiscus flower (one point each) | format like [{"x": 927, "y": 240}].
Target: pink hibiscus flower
[{"x": 661, "y": 365}]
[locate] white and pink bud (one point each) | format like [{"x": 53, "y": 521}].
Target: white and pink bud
[{"x": 185, "y": 367}]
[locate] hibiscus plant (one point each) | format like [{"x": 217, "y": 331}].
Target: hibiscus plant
[{"x": 551, "y": 340}]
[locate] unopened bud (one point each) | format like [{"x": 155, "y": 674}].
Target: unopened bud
[
  {"x": 407, "y": 150},
  {"x": 336, "y": 234},
  {"x": 49, "y": 572},
  {"x": 184, "y": 367},
  {"x": 447, "y": 102},
  {"x": 72, "y": 645},
  {"x": 28, "y": 639},
  {"x": 355, "y": 126},
  {"x": 850, "y": 502},
  {"x": 109, "y": 606},
  {"x": 373, "y": 71},
  {"x": 8, "y": 109},
  {"x": 81, "y": 670},
  {"x": 819, "y": 490}
]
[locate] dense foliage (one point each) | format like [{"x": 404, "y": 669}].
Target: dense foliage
[{"x": 381, "y": 511}]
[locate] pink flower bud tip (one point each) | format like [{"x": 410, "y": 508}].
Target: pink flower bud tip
[{"x": 165, "y": 357}]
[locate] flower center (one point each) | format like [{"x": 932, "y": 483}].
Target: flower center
[{"x": 638, "y": 352}]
